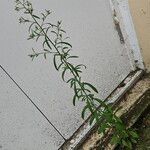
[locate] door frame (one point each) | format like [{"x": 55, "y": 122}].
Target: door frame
[{"x": 122, "y": 9}]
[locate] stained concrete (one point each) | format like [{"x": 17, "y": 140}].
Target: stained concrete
[
  {"x": 22, "y": 127},
  {"x": 94, "y": 39},
  {"x": 129, "y": 105}
]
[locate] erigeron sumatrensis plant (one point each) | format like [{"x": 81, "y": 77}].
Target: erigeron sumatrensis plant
[{"x": 60, "y": 49}]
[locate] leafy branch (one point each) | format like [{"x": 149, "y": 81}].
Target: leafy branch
[{"x": 55, "y": 43}]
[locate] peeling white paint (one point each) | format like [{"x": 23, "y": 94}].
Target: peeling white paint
[{"x": 126, "y": 18}]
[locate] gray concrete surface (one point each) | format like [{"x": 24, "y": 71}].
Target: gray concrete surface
[
  {"x": 22, "y": 127},
  {"x": 94, "y": 39}
]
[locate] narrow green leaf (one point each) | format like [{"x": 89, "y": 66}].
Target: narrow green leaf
[
  {"x": 47, "y": 30},
  {"x": 92, "y": 119},
  {"x": 65, "y": 48},
  {"x": 43, "y": 15},
  {"x": 38, "y": 37},
  {"x": 62, "y": 30},
  {"x": 133, "y": 134},
  {"x": 81, "y": 65},
  {"x": 71, "y": 84},
  {"x": 108, "y": 116},
  {"x": 119, "y": 120},
  {"x": 115, "y": 140},
  {"x": 65, "y": 43},
  {"x": 91, "y": 86},
  {"x": 103, "y": 128},
  {"x": 46, "y": 50},
  {"x": 36, "y": 16},
  {"x": 74, "y": 99},
  {"x": 63, "y": 74},
  {"x": 128, "y": 144},
  {"x": 84, "y": 111},
  {"x": 73, "y": 57},
  {"x": 87, "y": 90},
  {"x": 75, "y": 89},
  {"x": 70, "y": 80},
  {"x": 79, "y": 71},
  {"x": 54, "y": 32},
  {"x": 124, "y": 143},
  {"x": 45, "y": 55},
  {"x": 60, "y": 66},
  {"x": 74, "y": 69},
  {"x": 54, "y": 61},
  {"x": 120, "y": 127},
  {"x": 31, "y": 26},
  {"x": 48, "y": 43},
  {"x": 81, "y": 96}
]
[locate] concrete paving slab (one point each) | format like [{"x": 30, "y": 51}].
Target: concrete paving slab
[
  {"x": 22, "y": 127},
  {"x": 94, "y": 39}
]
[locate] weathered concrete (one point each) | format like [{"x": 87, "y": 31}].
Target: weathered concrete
[
  {"x": 130, "y": 111},
  {"x": 22, "y": 127}
]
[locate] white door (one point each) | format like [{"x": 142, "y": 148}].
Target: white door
[{"x": 94, "y": 38}]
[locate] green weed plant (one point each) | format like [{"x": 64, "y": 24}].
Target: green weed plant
[{"x": 60, "y": 48}]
